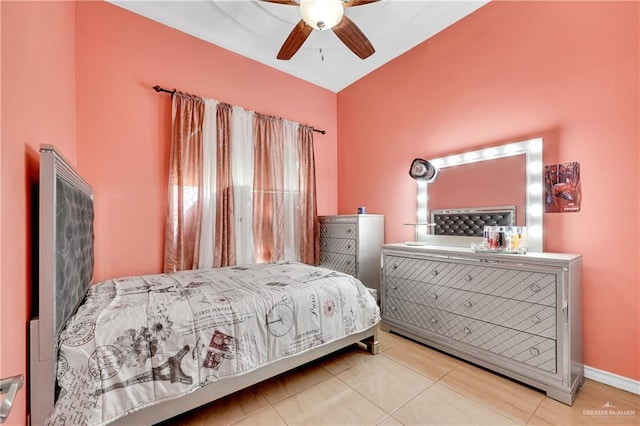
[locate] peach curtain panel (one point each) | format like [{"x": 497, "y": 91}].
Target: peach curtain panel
[
  {"x": 255, "y": 202},
  {"x": 268, "y": 187},
  {"x": 309, "y": 226},
  {"x": 225, "y": 248},
  {"x": 185, "y": 183}
]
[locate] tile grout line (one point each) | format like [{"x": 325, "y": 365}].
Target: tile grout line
[
  {"x": 372, "y": 402},
  {"x": 533, "y": 413},
  {"x": 279, "y": 415},
  {"x": 482, "y": 404}
]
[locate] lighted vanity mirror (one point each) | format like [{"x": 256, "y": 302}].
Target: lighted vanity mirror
[{"x": 509, "y": 174}]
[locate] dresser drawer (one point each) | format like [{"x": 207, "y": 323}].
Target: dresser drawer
[
  {"x": 338, "y": 245},
  {"x": 429, "y": 271},
  {"x": 338, "y": 262},
  {"x": 528, "y": 286},
  {"x": 408, "y": 268},
  {"x": 535, "y": 351},
  {"x": 413, "y": 291},
  {"x": 415, "y": 314},
  {"x": 338, "y": 230},
  {"x": 524, "y": 316}
]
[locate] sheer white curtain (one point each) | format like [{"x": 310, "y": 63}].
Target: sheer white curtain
[
  {"x": 242, "y": 171},
  {"x": 292, "y": 192},
  {"x": 209, "y": 157}
]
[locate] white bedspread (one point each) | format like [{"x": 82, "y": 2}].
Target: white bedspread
[{"x": 140, "y": 340}]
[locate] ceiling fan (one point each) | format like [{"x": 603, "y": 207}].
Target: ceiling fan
[{"x": 324, "y": 15}]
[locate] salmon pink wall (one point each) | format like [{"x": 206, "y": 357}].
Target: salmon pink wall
[
  {"x": 38, "y": 106},
  {"x": 124, "y": 126},
  {"x": 566, "y": 71}
]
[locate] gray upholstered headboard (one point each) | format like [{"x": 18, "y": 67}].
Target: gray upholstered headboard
[
  {"x": 65, "y": 268},
  {"x": 74, "y": 249},
  {"x": 470, "y": 222}
]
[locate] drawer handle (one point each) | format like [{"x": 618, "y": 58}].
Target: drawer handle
[
  {"x": 534, "y": 351},
  {"x": 434, "y": 320},
  {"x": 468, "y": 278},
  {"x": 467, "y": 330},
  {"x": 395, "y": 266},
  {"x": 535, "y": 319},
  {"x": 348, "y": 231},
  {"x": 434, "y": 273},
  {"x": 348, "y": 246},
  {"x": 534, "y": 288},
  {"x": 434, "y": 296},
  {"x": 395, "y": 287},
  {"x": 467, "y": 304}
]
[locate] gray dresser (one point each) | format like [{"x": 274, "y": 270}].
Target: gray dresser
[
  {"x": 351, "y": 244},
  {"x": 518, "y": 315}
]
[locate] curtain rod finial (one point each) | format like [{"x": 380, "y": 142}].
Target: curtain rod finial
[{"x": 162, "y": 89}]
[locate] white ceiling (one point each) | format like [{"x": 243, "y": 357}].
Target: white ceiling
[{"x": 257, "y": 29}]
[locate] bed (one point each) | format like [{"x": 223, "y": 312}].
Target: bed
[{"x": 139, "y": 350}]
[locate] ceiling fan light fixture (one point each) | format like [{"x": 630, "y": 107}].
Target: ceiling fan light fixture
[{"x": 321, "y": 14}]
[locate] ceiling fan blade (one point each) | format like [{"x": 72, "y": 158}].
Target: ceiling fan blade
[
  {"x": 354, "y": 3},
  {"x": 295, "y": 40},
  {"x": 353, "y": 38},
  {"x": 289, "y": 2}
]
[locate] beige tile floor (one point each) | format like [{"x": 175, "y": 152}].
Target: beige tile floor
[{"x": 407, "y": 384}]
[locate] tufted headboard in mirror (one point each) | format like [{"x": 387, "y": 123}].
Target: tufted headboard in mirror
[
  {"x": 530, "y": 182},
  {"x": 470, "y": 222}
]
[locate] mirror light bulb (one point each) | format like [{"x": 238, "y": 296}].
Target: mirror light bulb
[
  {"x": 512, "y": 148},
  {"x": 470, "y": 156},
  {"x": 536, "y": 167},
  {"x": 535, "y": 145},
  {"x": 535, "y": 189},
  {"x": 534, "y": 231},
  {"x": 489, "y": 153},
  {"x": 535, "y": 211}
]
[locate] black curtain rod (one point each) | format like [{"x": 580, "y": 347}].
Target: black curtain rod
[{"x": 172, "y": 92}]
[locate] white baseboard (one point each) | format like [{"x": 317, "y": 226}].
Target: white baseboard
[{"x": 611, "y": 379}]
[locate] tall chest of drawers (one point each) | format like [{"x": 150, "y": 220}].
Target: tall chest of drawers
[
  {"x": 352, "y": 244},
  {"x": 518, "y": 315}
]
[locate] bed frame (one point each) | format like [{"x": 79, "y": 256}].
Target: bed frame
[{"x": 65, "y": 273}]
